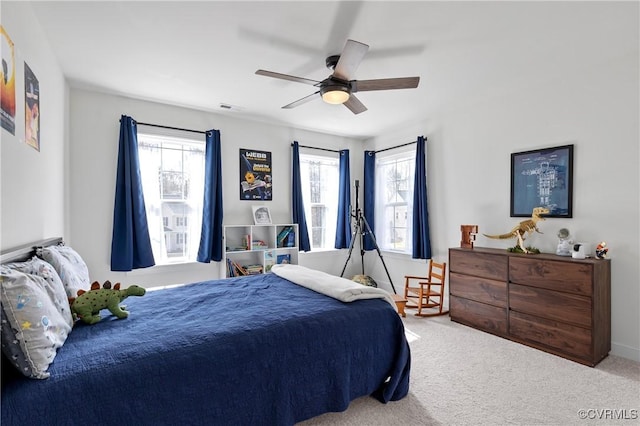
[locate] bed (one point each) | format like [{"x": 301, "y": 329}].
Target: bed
[{"x": 257, "y": 350}]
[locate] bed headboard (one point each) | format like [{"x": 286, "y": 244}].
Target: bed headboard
[{"x": 25, "y": 252}]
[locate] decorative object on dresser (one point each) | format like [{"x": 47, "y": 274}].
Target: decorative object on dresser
[
  {"x": 468, "y": 235},
  {"x": 579, "y": 251},
  {"x": 602, "y": 250},
  {"x": 557, "y": 304},
  {"x": 524, "y": 228},
  {"x": 428, "y": 293},
  {"x": 564, "y": 242}
]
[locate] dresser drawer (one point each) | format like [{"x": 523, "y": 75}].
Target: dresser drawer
[
  {"x": 479, "y": 289},
  {"x": 566, "y": 338},
  {"x": 491, "y": 266},
  {"x": 479, "y": 315},
  {"x": 553, "y": 305},
  {"x": 553, "y": 275}
]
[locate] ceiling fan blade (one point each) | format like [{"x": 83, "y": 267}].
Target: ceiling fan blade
[
  {"x": 355, "y": 105},
  {"x": 385, "y": 84},
  {"x": 344, "y": 20},
  {"x": 287, "y": 77},
  {"x": 350, "y": 58},
  {"x": 301, "y": 101}
]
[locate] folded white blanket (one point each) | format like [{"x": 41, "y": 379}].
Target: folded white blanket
[{"x": 339, "y": 288}]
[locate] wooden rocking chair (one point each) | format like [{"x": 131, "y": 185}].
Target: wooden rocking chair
[{"x": 428, "y": 293}]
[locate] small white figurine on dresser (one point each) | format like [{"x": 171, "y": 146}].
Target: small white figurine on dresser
[{"x": 564, "y": 243}]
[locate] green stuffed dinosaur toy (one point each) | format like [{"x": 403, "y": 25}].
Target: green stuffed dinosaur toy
[{"x": 88, "y": 304}]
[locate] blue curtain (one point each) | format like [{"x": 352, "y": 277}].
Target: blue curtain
[
  {"x": 211, "y": 238},
  {"x": 130, "y": 242},
  {"x": 369, "y": 197},
  {"x": 343, "y": 227},
  {"x": 421, "y": 238},
  {"x": 297, "y": 204}
]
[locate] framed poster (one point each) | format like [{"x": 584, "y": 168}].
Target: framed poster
[
  {"x": 255, "y": 175},
  {"x": 7, "y": 83},
  {"x": 31, "y": 108},
  {"x": 542, "y": 178}
]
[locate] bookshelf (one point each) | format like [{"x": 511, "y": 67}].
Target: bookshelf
[{"x": 254, "y": 249}]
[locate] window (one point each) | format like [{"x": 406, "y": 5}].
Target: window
[
  {"x": 172, "y": 171},
  {"x": 319, "y": 176},
  {"x": 394, "y": 202}
]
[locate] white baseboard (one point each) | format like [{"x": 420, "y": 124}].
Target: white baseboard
[{"x": 624, "y": 351}]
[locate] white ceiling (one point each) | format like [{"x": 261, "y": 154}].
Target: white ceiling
[{"x": 202, "y": 54}]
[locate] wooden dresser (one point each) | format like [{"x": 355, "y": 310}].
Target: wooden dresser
[{"x": 557, "y": 304}]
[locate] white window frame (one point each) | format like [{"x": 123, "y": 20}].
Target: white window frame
[
  {"x": 330, "y": 170},
  {"x": 158, "y": 209},
  {"x": 387, "y": 225}
]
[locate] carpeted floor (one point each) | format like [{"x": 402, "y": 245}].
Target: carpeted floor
[{"x": 462, "y": 376}]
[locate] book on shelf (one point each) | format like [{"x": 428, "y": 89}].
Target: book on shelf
[
  {"x": 234, "y": 269},
  {"x": 253, "y": 269},
  {"x": 283, "y": 235},
  {"x": 259, "y": 245},
  {"x": 291, "y": 240},
  {"x": 246, "y": 241},
  {"x": 284, "y": 259},
  {"x": 269, "y": 260}
]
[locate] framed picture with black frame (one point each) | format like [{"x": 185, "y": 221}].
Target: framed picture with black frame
[{"x": 542, "y": 178}]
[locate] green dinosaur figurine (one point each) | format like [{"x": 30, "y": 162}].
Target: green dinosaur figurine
[{"x": 88, "y": 304}]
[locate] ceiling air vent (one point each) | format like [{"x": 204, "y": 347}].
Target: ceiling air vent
[{"x": 230, "y": 107}]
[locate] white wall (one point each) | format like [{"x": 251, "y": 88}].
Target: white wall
[
  {"x": 94, "y": 131},
  {"x": 468, "y": 149},
  {"x": 32, "y": 182}
]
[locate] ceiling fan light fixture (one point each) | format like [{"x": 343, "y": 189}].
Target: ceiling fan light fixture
[{"x": 335, "y": 94}]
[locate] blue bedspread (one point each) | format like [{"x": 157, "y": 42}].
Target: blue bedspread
[{"x": 254, "y": 350}]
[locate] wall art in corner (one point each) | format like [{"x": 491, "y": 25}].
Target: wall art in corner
[
  {"x": 32, "y": 108},
  {"x": 7, "y": 83},
  {"x": 542, "y": 178},
  {"x": 255, "y": 175}
]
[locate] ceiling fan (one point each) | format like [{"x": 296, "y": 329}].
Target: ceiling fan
[{"x": 339, "y": 88}]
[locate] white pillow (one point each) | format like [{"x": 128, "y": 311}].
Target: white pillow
[
  {"x": 36, "y": 318},
  {"x": 70, "y": 267}
]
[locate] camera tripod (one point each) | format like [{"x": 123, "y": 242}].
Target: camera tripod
[{"x": 362, "y": 228}]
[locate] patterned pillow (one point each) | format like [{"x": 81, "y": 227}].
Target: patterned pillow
[
  {"x": 70, "y": 267},
  {"x": 36, "y": 318}
]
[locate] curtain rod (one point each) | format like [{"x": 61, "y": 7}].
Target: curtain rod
[
  {"x": 170, "y": 128},
  {"x": 321, "y": 149},
  {"x": 397, "y": 146}
]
